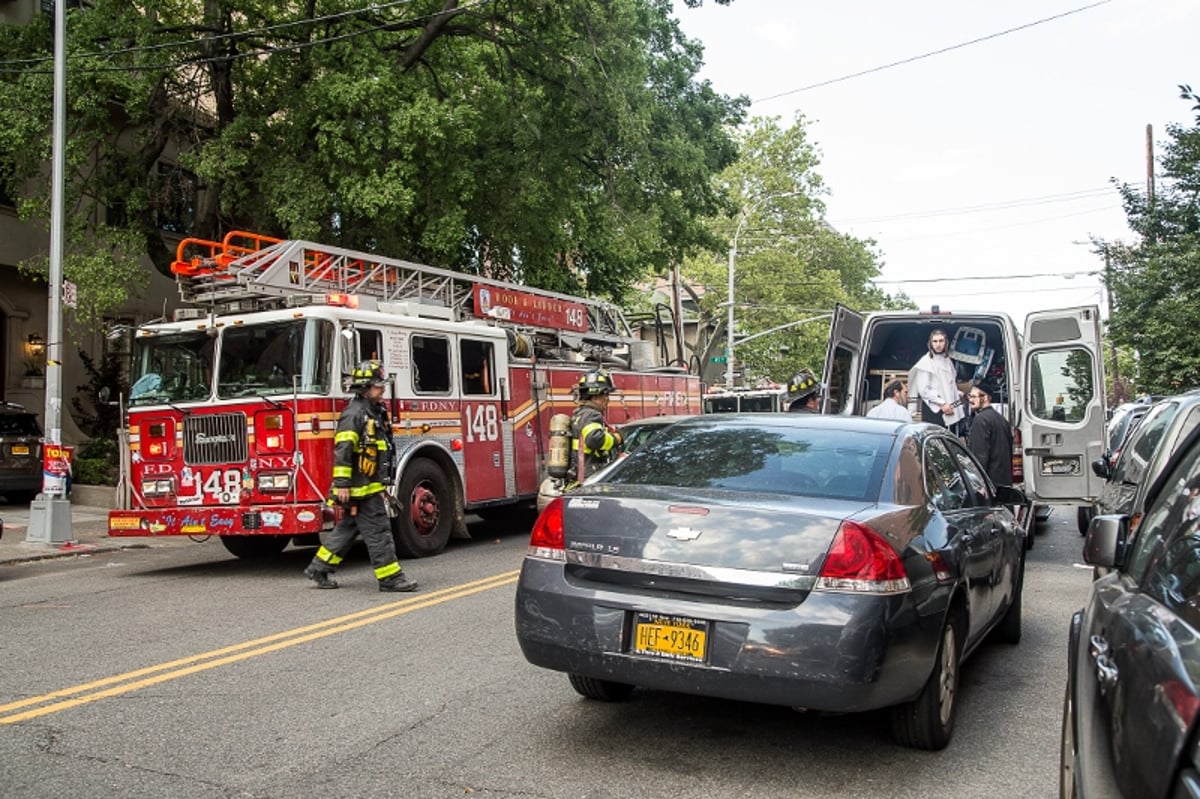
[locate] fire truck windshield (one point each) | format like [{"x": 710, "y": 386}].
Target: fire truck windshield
[
  {"x": 172, "y": 367},
  {"x": 276, "y": 358}
]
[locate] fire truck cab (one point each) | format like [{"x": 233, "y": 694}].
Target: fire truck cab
[{"x": 232, "y": 408}]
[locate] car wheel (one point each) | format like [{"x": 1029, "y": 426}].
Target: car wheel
[
  {"x": 603, "y": 690},
  {"x": 1066, "y": 760},
  {"x": 1083, "y": 517},
  {"x": 254, "y": 547},
  {"x": 928, "y": 721},
  {"x": 1009, "y": 628},
  {"x": 422, "y": 526}
]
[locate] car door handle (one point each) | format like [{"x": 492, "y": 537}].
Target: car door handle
[{"x": 1107, "y": 673}]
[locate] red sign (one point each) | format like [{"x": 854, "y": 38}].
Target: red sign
[
  {"x": 56, "y": 469},
  {"x": 521, "y": 308}
]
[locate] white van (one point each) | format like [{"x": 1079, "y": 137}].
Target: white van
[{"x": 1048, "y": 383}]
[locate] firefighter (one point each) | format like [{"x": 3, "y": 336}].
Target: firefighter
[
  {"x": 804, "y": 393},
  {"x": 361, "y": 462},
  {"x": 593, "y": 441}
]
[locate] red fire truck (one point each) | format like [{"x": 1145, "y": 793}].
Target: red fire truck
[{"x": 233, "y": 404}]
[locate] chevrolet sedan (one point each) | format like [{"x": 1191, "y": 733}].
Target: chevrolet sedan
[{"x": 829, "y": 563}]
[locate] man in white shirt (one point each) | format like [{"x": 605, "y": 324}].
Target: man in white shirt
[
  {"x": 895, "y": 403},
  {"x": 935, "y": 379}
]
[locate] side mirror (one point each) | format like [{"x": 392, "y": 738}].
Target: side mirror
[
  {"x": 1104, "y": 545},
  {"x": 1100, "y": 468}
]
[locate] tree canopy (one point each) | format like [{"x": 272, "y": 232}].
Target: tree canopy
[
  {"x": 789, "y": 264},
  {"x": 1155, "y": 281},
  {"x": 566, "y": 144}
]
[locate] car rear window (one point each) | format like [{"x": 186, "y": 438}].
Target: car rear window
[
  {"x": 831, "y": 463},
  {"x": 23, "y": 424}
]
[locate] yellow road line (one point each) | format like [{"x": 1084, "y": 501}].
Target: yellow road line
[{"x": 243, "y": 651}]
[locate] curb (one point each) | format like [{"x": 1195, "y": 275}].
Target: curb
[{"x": 70, "y": 549}]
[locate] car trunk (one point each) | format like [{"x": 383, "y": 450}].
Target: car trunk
[{"x": 700, "y": 541}]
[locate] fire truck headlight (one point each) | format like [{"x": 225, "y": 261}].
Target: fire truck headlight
[
  {"x": 276, "y": 482},
  {"x": 157, "y": 488}
]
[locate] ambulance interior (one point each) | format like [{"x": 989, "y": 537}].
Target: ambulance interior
[{"x": 976, "y": 347}]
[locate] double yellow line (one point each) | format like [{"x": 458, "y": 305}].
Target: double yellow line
[{"x": 45, "y": 704}]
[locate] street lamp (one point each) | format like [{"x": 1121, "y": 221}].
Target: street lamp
[{"x": 732, "y": 261}]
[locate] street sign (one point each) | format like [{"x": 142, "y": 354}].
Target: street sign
[{"x": 719, "y": 359}]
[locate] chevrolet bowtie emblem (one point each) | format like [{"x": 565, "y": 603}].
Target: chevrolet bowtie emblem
[{"x": 683, "y": 533}]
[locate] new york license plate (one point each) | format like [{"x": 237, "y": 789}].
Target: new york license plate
[
  {"x": 20, "y": 449},
  {"x": 670, "y": 637}
]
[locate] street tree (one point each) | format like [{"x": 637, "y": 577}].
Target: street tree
[
  {"x": 790, "y": 265},
  {"x": 566, "y": 144},
  {"x": 1155, "y": 280}
]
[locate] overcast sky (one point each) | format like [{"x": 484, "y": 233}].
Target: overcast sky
[{"x": 989, "y": 159}]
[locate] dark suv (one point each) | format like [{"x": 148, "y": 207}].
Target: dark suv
[{"x": 20, "y": 454}]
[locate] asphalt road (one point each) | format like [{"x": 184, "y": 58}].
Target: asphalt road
[{"x": 179, "y": 671}]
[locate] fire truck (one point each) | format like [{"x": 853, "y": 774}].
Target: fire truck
[
  {"x": 757, "y": 399},
  {"x": 233, "y": 404}
]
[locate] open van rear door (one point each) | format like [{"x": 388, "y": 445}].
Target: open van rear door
[
  {"x": 843, "y": 350},
  {"x": 1062, "y": 421}
]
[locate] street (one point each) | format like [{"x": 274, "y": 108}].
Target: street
[{"x": 177, "y": 670}]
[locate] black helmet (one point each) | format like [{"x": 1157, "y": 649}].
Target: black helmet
[
  {"x": 595, "y": 384},
  {"x": 367, "y": 374},
  {"x": 802, "y": 385}
]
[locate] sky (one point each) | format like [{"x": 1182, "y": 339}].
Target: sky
[{"x": 978, "y": 166}]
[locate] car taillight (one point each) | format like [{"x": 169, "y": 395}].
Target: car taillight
[
  {"x": 861, "y": 561},
  {"x": 1018, "y": 459},
  {"x": 547, "y": 538}
]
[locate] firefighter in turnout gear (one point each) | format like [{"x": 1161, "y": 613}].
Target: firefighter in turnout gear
[
  {"x": 361, "y": 466},
  {"x": 593, "y": 441}
]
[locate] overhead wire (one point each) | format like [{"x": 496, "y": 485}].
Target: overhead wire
[{"x": 930, "y": 54}]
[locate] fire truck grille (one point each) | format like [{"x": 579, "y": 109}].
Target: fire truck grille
[{"x": 220, "y": 438}]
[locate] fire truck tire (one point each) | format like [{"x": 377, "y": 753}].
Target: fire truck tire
[
  {"x": 422, "y": 527},
  {"x": 254, "y": 547}
]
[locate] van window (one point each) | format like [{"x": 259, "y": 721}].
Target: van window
[
  {"x": 839, "y": 381},
  {"x": 1061, "y": 384}
]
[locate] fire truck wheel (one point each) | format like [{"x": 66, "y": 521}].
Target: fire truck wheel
[
  {"x": 422, "y": 527},
  {"x": 254, "y": 547}
]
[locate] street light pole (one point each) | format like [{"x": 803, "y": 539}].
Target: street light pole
[{"x": 729, "y": 319}]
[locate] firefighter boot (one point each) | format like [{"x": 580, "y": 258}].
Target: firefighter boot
[
  {"x": 397, "y": 583},
  {"x": 319, "y": 576}
]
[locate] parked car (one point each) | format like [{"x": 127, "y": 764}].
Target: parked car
[
  {"x": 20, "y": 454},
  {"x": 1124, "y": 419},
  {"x": 830, "y": 563},
  {"x": 1131, "y": 707}
]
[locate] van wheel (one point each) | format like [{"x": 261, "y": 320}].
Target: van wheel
[
  {"x": 928, "y": 721},
  {"x": 254, "y": 547},
  {"x": 422, "y": 526}
]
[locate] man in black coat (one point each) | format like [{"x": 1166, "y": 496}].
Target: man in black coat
[{"x": 991, "y": 439}]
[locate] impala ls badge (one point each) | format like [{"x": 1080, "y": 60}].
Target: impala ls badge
[{"x": 683, "y": 533}]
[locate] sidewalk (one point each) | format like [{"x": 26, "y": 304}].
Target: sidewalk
[{"x": 89, "y": 534}]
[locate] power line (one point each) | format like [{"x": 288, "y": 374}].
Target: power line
[
  {"x": 929, "y": 54},
  {"x": 255, "y": 53},
  {"x": 1002, "y": 205}
]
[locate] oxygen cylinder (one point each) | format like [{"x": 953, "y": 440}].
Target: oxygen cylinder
[{"x": 559, "y": 460}]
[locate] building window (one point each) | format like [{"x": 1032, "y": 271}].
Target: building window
[{"x": 173, "y": 198}]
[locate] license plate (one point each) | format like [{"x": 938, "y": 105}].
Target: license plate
[
  {"x": 670, "y": 637},
  {"x": 20, "y": 449},
  {"x": 1060, "y": 466}
]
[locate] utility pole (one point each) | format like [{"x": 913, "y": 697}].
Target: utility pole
[
  {"x": 50, "y": 513},
  {"x": 1112, "y": 346}
]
